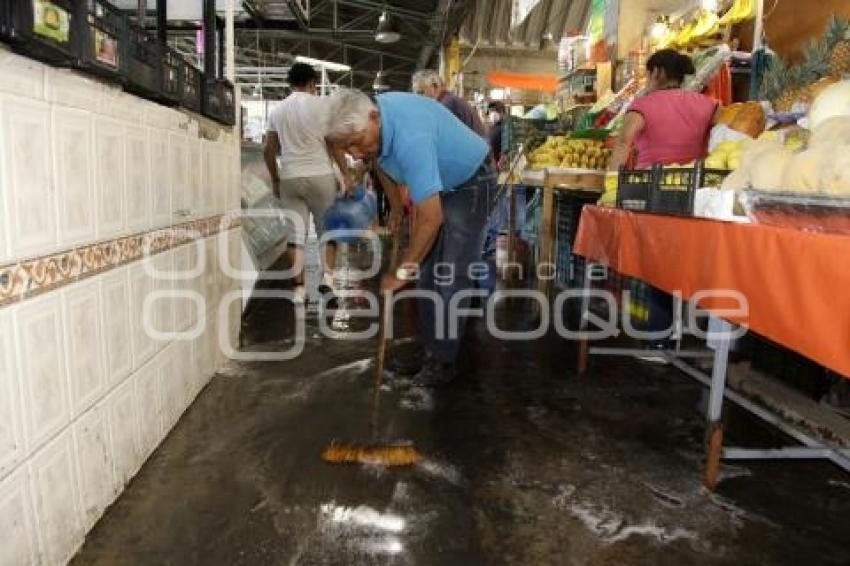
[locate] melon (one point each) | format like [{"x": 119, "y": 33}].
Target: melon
[
  {"x": 768, "y": 169},
  {"x": 832, "y": 132},
  {"x": 836, "y": 176},
  {"x": 833, "y": 101},
  {"x": 804, "y": 171},
  {"x": 737, "y": 180}
]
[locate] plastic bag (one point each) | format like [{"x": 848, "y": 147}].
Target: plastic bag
[{"x": 723, "y": 133}]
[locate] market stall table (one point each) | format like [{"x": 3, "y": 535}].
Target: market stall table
[
  {"x": 795, "y": 285},
  {"x": 585, "y": 186}
]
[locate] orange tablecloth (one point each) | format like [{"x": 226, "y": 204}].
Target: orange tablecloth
[{"x": 797, "y": 283}]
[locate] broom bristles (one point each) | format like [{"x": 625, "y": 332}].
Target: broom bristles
[{"x": 338, "y": 453}]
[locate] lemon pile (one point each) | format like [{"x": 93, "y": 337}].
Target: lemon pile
[
  {"x": 726, "y": 155},
  {"x": 560, "y": 151}
]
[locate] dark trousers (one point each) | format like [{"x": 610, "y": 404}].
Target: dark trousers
[
  {"x": 660, "y": 311},
  {"x": 445, "y": 270}
]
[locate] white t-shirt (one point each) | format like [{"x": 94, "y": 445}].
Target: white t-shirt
[{"x": 299, "y": 122}]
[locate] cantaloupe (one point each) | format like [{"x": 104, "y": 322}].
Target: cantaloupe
[
  {"x": 768, "y": 169},
  {"x": 831, "y": 133},
  {"x": 804, "y": 171},
  {"x": 833, "y": 101},
  {"x": 835, "y": 178}
]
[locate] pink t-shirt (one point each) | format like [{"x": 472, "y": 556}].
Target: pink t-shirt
[{"x": 677, "y": 125}]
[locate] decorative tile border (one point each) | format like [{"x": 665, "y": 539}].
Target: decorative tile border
[{"x": 31, "y": 277}]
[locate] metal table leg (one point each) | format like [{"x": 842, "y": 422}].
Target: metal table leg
[
  {"x": 715, "y": 405},
  {"x": 512, "y": 228},
  {"x": 583, "y": 348}
]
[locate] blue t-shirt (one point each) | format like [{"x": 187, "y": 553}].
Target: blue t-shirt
[{"x": 426, "y": 147}]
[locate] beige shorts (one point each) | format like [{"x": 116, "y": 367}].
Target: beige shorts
[{"x": 304, "y": 196}]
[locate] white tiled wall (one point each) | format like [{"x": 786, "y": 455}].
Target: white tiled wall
[
  {"x": 17, "y": 524},
  {"x": 85, "y": 394},
  {"x": 85, "y": 397},
  {"x": 26, "y": 176},
  {"x": 72, "y": 172},
  {"x": 84, "y": 335},
  {"x": 81, "y": 161},
  {"x": 115, "y": 287},
  {"x": 41, "y": 363},
  {"x": 109, "y": 171},
  {"x": 137, "y": 181},
  {"x": 11, "y": 434}
]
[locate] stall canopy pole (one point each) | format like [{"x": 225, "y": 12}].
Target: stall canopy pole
[
  {"x": 219, "y": 38},
  {"x": 230, "y": 42},
  {"x": 209, "y": 39},
  {"x": 758, "y": 40},
  {"x": 162, "y": 21}
]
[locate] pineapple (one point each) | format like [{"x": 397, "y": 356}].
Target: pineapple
[
  {"x": 838, "y": 42},
  {"x": 787, "y": 85},
  {"x": 784, "y": 85}
]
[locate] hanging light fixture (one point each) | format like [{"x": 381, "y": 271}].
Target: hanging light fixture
[
  {"x": 386, "y": 32},
  {"x": 380, "y": 83}
]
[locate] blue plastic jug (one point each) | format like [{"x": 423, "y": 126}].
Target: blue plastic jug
[{"x": 353, "y": 212}]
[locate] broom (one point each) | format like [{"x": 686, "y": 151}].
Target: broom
[{"x": 376, "y": 453}]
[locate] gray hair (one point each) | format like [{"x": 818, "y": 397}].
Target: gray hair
[
  {"x": 424, "y": 78},
  {"x": 348, "y": 113}
]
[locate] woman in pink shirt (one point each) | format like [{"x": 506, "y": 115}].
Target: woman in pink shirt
[{"x": 668, "y": 124}]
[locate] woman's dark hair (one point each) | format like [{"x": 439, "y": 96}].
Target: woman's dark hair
[
  {"x": 674, "y": 64},
  {"x": 496, "y": 105},
  {"x": 300, "y": 74}
]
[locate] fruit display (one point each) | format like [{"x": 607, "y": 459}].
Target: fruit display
[
  {"x": 740, "y": 11},
  {"x": 726, "y": 155},
  {"x": 747, "y": 117},
  {"x": 825, "y": 62},
  {"x": 834, "y": 101},
  {"x": 822, "y": 167},
  {"x": 707, "y": 25},
  {"x": 561, "y": 151}
]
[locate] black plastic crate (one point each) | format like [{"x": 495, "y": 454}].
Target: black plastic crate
[
  {"x": 171, "y": 65},
  {"x": 46, "y": 30},
  {"x": 665, "y": 190},
  {"x": 524, "y": 130},
  {"x": 4, "y": 21},
  {"x": 633, "y": 188},
  {"x": 142, "y": 63},
  {"x": 674, "y": 189},
  {"x": 103, "y": 39},
  {"x": 219, "y": 101},
  {"x": 191, "y": 86}
]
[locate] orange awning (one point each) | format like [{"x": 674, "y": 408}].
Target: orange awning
[
  {"x": 796, "y": 283},
  {"x": 523, "y": 81}
]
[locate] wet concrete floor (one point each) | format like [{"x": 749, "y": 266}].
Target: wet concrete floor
[{"x": 526, "y": 463}]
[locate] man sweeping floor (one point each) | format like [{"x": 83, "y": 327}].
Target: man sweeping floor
[{"x": 447, "y": 169}]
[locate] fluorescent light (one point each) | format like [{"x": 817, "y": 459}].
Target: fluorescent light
[
  {"x": 659, "y": 28},
  {"x": 329, "y": 65}
]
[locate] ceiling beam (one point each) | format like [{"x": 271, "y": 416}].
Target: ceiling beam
[
  {"x": 380, "y": 6},
  {"x": 303, "y": 36}
]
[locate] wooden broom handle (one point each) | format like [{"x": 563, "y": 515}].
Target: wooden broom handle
[{"x": 382, "y": 337}]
